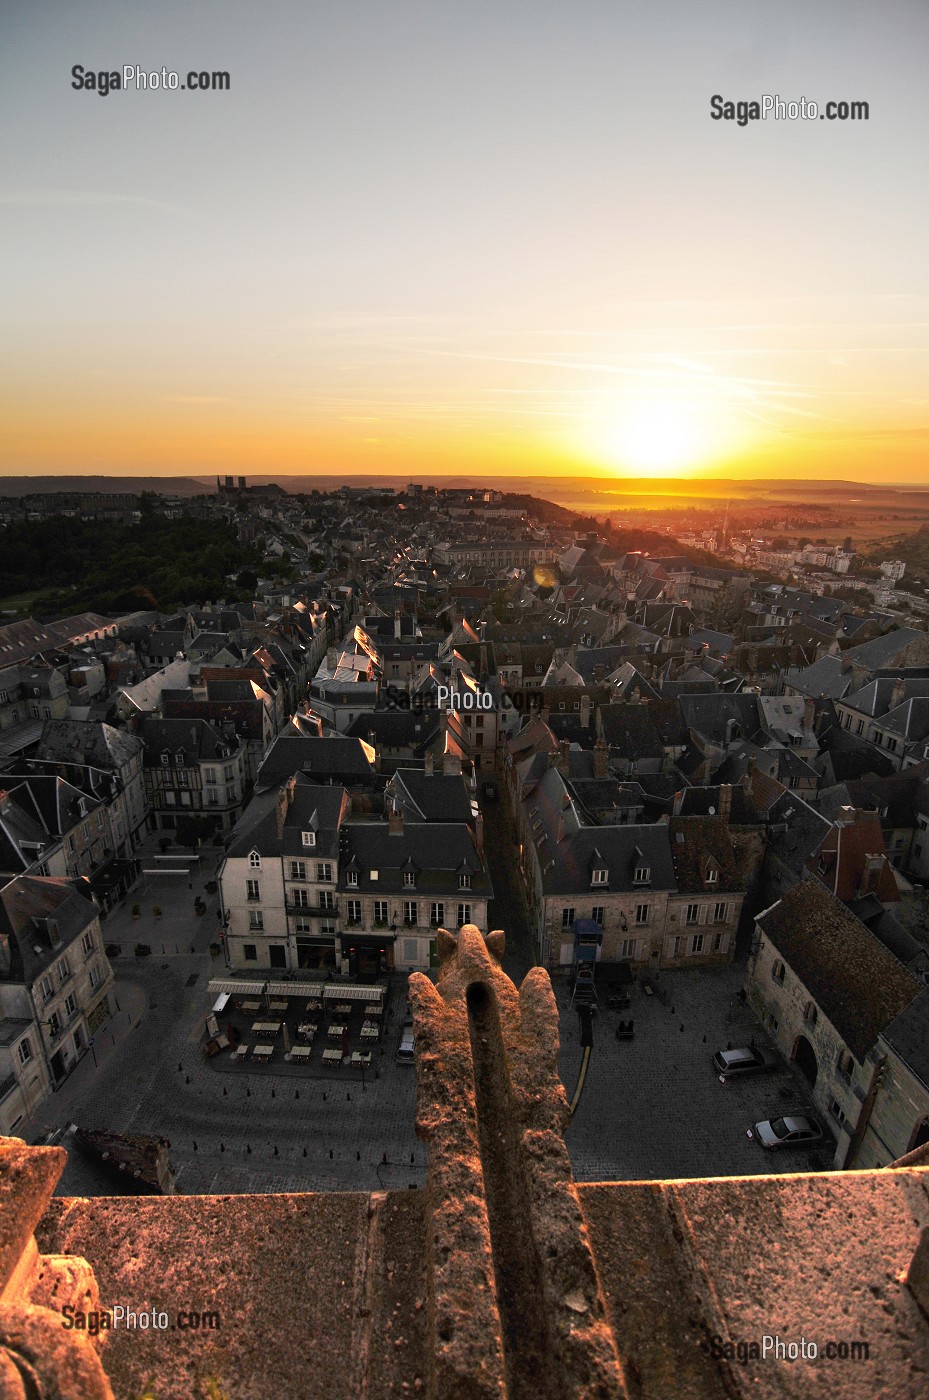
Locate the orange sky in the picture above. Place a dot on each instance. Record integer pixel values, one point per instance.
(440, 238)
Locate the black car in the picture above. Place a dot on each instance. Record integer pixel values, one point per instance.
(745, 1060)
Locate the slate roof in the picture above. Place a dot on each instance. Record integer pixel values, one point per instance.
(332, 758)
(31, 948)
(431, 797)
(906, 1036)
(859, 986)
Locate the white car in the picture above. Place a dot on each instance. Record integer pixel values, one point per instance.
(405, 1054)
(797, 1130)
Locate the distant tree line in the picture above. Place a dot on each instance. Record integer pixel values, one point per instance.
(104, 566)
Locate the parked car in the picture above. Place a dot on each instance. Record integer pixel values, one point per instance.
(745, 1060)
(797, 1130)
(405, 1054)
(490, 791)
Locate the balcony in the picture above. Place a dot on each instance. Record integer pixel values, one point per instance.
(319, 911)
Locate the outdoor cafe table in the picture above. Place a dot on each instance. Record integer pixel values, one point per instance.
(314, 1006)
(332, 1056)
(375, 1010)
(308, 1028)
(369, 1031)
(251, 1005)
(359, 1058)
(300, 1052)
(277, 1006)
(263, 1051)
(343, 1008)
(266, 1027)
(335, 1032)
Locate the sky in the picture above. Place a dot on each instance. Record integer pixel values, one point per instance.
(482, 236)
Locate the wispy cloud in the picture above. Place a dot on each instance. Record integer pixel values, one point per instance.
(53, 199)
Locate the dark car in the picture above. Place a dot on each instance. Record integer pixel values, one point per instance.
(745, 1060)
(796, 1130)
(490, 792)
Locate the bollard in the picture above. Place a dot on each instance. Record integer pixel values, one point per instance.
(304, 1151)
(412, 1158)
(275, 1152)
(180, 1069)
(186, 1078)
(248, 1149)
(296, 1093)
(348, 1098)
(330, 1154)
(384, 1160)
(248, 1093)
(357, 1156)
(225, 1092)
(273, 1095)
(195, 1147)
(222, 1147)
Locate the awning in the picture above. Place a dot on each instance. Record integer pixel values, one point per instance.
(234, 988)
(220, 1003)
(334, 992)
(294, 989)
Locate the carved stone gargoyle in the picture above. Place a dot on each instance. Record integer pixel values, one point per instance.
(516, 1307)
(40, 1359)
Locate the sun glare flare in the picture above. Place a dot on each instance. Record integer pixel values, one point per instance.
(658, 438)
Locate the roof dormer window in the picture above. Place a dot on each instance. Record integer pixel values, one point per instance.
(254, 860)
(642, 875)
(599, 876)
(308, 838)
(464, 880)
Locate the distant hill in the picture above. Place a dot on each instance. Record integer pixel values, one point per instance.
(135, 485)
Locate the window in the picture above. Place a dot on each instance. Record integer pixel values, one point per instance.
(696, 943)
(597, 913)
(720, 913)
(278, 955)
(165, 759)
(24, 1050)
(298, 869)
(380, 911)
(210, 775)
(846, 1065)
(303, 925)
(677, 946)
(324, 870)
(777, 972)
(47, 988)
(254, 860)
(64, 971)
(464, 914)
(54, 1024)
(4, 697)
(252, 890)
(372, 874)
(326, 899)
(410, 911)
(835, 1111)
(599, 876)
(712, 875)
(94, 978)
(87, 944)
(409, 879)
(256, 920)
(641, 913)
(693, 914)
(627, 949)
(300, 899)
(308, 838)
(351, 879)
(567, 917)
(437, 914)
(464, 880)
(718, 942)
(641, 875)
(250, 952)
(811, 1013)
(354, 911)
(70, 1005)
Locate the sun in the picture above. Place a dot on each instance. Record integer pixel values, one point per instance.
(657, 439)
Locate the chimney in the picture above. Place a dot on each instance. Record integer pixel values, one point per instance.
(809, 713)
(898, 694)
(285, 797)
(563, 760)
(601, 759)
(585, 710)
(725, 801)
(332, 658)
(394, 821)
(397, 623)
(846, 816)
(479, 833)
